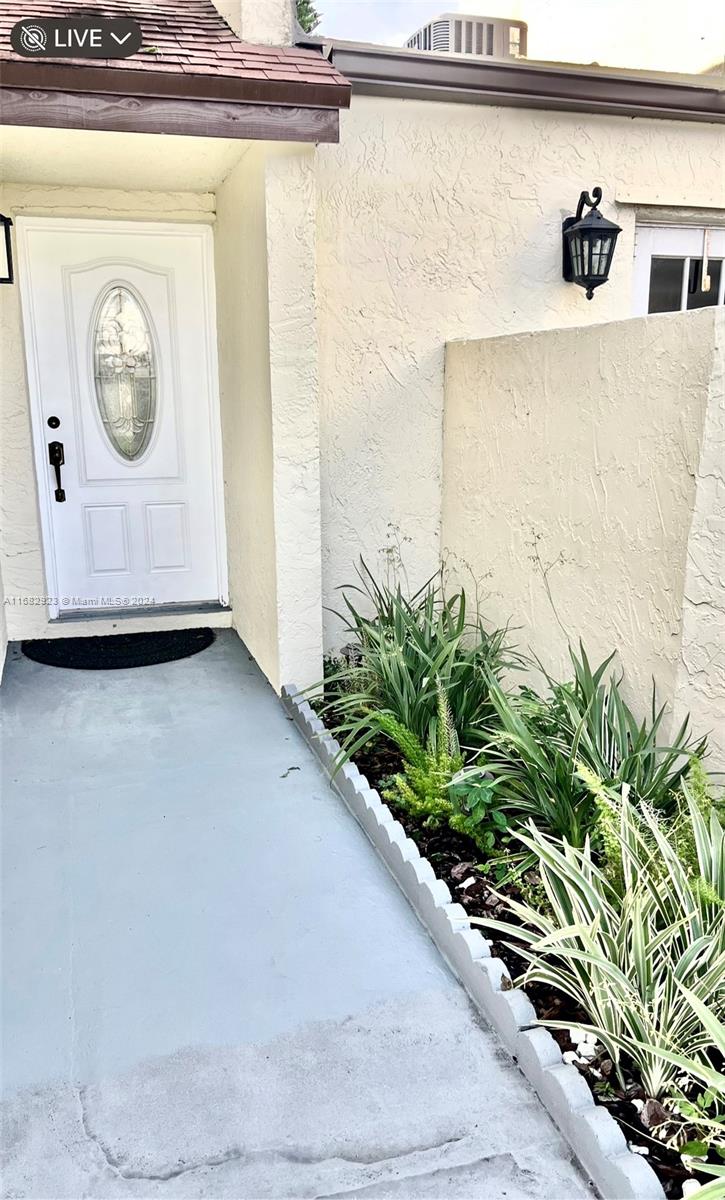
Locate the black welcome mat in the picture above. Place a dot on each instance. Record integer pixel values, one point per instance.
(118, 651)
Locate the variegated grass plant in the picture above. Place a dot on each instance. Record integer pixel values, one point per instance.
(624, 954)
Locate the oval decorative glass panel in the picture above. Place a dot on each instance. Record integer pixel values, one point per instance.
(125, 372)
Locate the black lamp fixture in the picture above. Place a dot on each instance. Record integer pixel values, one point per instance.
(6, 252)
(589, 244)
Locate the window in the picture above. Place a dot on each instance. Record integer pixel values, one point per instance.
(514, 41)
(457, 37)
(678, 268)
(489, 39)
(125, 372)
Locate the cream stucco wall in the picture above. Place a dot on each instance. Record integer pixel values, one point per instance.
(441, 221)
(574, 460)
(268, 353)
(294, 364)
(245, 390)
(700, 682)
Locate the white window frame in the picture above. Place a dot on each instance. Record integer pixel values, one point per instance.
(672, 241)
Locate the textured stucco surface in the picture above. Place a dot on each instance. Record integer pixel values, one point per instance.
(441, 221)
(244, 387)
(293, 365)
(700, 685)
(265, 256)
(572, 464)
(270, 24)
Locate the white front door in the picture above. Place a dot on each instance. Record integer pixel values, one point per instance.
(120, 335)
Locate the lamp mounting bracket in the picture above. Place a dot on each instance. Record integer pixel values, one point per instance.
(585, 198)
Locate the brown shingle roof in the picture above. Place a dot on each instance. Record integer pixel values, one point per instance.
(186, 38)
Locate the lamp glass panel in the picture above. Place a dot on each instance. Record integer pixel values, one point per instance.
(575, 248)
(600, 255)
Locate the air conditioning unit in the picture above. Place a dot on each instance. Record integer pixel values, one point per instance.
(481, 37)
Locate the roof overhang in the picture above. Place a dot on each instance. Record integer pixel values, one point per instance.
(60, 96)
(382, 71)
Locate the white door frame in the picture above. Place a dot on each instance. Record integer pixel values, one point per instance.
(207, 316)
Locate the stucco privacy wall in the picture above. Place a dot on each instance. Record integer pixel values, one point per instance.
(571, 474)
(21, 555)
(701, 669)
(441, 221)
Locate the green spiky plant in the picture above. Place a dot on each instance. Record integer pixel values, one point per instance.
(404, 651)
(547, 757)
(613, 743)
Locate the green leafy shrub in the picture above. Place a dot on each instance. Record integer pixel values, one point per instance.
(403, 652)
(623, 958)
(478, 813)
(551, 758)
(532, 774)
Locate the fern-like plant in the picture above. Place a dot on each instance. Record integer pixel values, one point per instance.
(422, 787)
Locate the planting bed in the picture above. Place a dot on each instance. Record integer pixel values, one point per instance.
(597, 1140)
(455, 861)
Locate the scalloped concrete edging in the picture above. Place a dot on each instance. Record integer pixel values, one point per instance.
(592, 1133)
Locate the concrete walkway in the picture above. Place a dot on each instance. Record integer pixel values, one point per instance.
(212, 986)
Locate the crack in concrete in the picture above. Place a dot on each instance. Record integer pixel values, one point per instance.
(121, 1172)
(236, 1154)
(438, 1169)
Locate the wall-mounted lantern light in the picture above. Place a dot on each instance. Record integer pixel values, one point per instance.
(589, 244)
(6, 251)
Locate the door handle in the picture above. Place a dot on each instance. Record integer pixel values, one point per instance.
(56, 458)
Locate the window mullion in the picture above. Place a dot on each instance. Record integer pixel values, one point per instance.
(685, 284)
